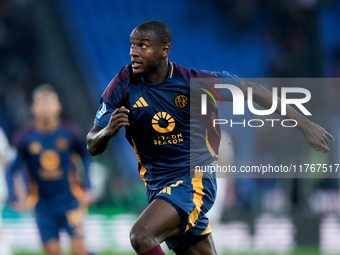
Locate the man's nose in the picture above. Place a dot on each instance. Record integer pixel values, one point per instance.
(134, 51)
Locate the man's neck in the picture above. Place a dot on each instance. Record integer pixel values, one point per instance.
(44, 125)
(160, 75)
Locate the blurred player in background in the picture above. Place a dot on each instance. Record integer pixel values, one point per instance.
(5, 157)
(47, 147)
(150, 98)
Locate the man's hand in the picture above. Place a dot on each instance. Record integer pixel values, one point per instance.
(98, 138)
(317, 137)
(119, 118)
(88, 198)
(18, 206)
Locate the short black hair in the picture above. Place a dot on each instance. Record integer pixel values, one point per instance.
(161, 30)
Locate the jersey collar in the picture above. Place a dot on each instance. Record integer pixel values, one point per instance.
(171, 70)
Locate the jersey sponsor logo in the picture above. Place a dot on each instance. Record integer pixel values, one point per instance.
(50, 165)
(50, 160)
(181, 101)
(162, 122)
(102, 111)
(140, 103)
(168, 139)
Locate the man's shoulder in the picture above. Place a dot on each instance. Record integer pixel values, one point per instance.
(22, 133)
(121, 80)
(191, 75)
(192, 72)
(124, 73)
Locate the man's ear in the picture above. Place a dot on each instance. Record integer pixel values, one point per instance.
(165, 50)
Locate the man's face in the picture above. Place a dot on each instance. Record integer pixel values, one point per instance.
(145, 51)
(46, 106)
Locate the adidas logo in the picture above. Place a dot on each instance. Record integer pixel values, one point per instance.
(140, 103)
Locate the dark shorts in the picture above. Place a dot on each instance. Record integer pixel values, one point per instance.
(50, 224)
(192, 197)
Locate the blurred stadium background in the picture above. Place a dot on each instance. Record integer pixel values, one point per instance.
(79, 45)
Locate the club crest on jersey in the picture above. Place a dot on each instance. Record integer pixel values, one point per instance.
(62, 144)
(181, 101)
(102, 111)
(35, 147)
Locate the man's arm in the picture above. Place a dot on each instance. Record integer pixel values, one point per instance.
(4, 149)
(13, 167)
(98, 138)
(316, 136)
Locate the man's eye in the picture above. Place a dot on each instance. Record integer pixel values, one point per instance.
(143, 46)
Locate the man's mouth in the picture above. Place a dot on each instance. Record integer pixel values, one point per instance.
(135, 64)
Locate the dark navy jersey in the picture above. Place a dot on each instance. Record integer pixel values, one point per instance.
(167, 139)
(48, 160)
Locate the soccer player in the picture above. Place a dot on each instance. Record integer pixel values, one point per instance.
(47, 146)
(150, 98)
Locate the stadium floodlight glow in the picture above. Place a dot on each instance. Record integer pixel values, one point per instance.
(238, 100)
